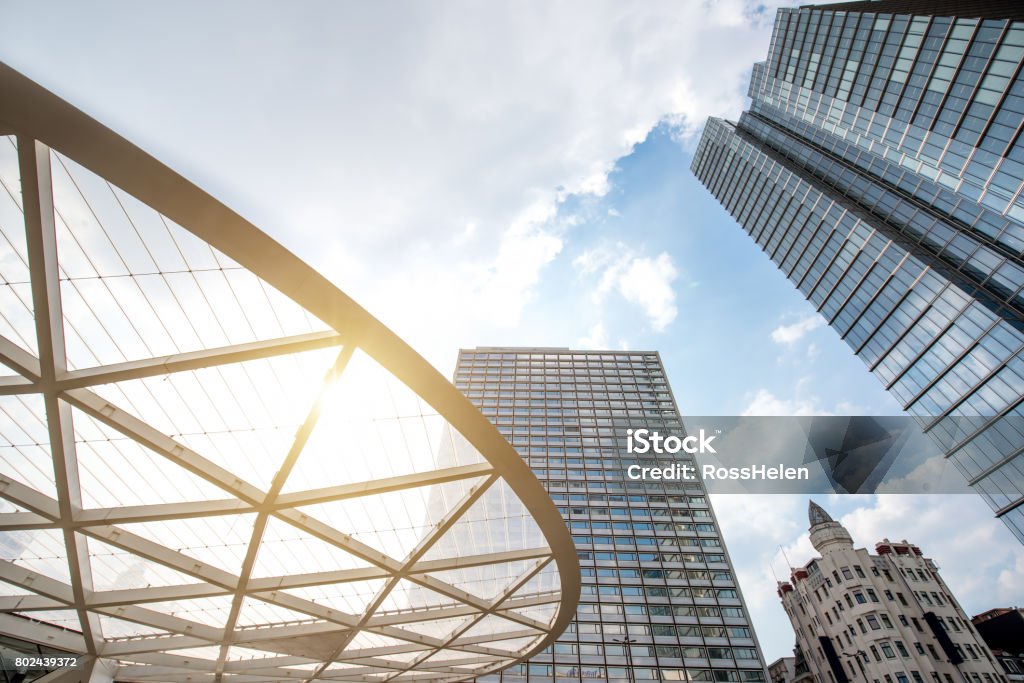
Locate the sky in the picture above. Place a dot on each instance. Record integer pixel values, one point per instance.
(506, 174)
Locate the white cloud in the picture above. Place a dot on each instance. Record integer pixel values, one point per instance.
(415, 157)
(790, 334)
(765, 402)
(641, 280)
(596, 338)
(647, 282)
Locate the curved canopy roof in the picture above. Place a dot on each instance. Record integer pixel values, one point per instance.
(216, 466)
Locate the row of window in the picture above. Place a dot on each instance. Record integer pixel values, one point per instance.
(522, 355)
(524, 402)
(657, 574)
(601, 513)
(600, 673)
(562, 384)
(637, 513)
(654, 499)
(636, 414)
(501, 394)
(664, 651)
(613, 629)
(687, 592)
(525, 397)
(608, 408)
(638, 610)
(689, 558)
(575, 381)
(640, 541)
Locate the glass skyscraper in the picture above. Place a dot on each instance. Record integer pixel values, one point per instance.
(880, 167)
(659, 595)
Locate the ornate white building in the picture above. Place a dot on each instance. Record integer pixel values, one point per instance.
(879, 618)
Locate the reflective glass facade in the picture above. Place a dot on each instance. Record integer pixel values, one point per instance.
(656, 575)
(880, 166)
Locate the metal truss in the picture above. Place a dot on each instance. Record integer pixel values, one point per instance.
(458, 634)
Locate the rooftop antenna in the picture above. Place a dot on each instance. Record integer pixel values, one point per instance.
(783, 551)
(771, 565)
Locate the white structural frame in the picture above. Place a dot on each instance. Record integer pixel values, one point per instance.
(43, 122)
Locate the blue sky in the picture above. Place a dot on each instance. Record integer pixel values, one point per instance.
(480, 174)
(727, 298)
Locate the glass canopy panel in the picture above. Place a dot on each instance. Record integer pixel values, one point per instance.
(403, 659)
(209, 611)
(261, 613)
(365, 640)
(493, 625)
(282, 543)
(219, 541)
(376, 427)
(135, 285)
(122, 629)
(544, 582)
(114, 568)
(446, 656)
(485, 581)
(497, 522)
(237, 654)
(514, 645)
(210, 653)
(394, 522)
(241, 416)
(16, 320)
(64, 618)
(11, 590)
(25, 442)
(343, 666)
(115, 470)
(350, 597)
(438, 628)
(542, 613)
(38, 550)
(407, 596)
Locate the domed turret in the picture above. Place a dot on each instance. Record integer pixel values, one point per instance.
(827, 534)
(817, 515)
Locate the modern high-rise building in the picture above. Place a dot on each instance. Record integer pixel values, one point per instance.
(880, 166)
(887, 616)
(659, 597)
